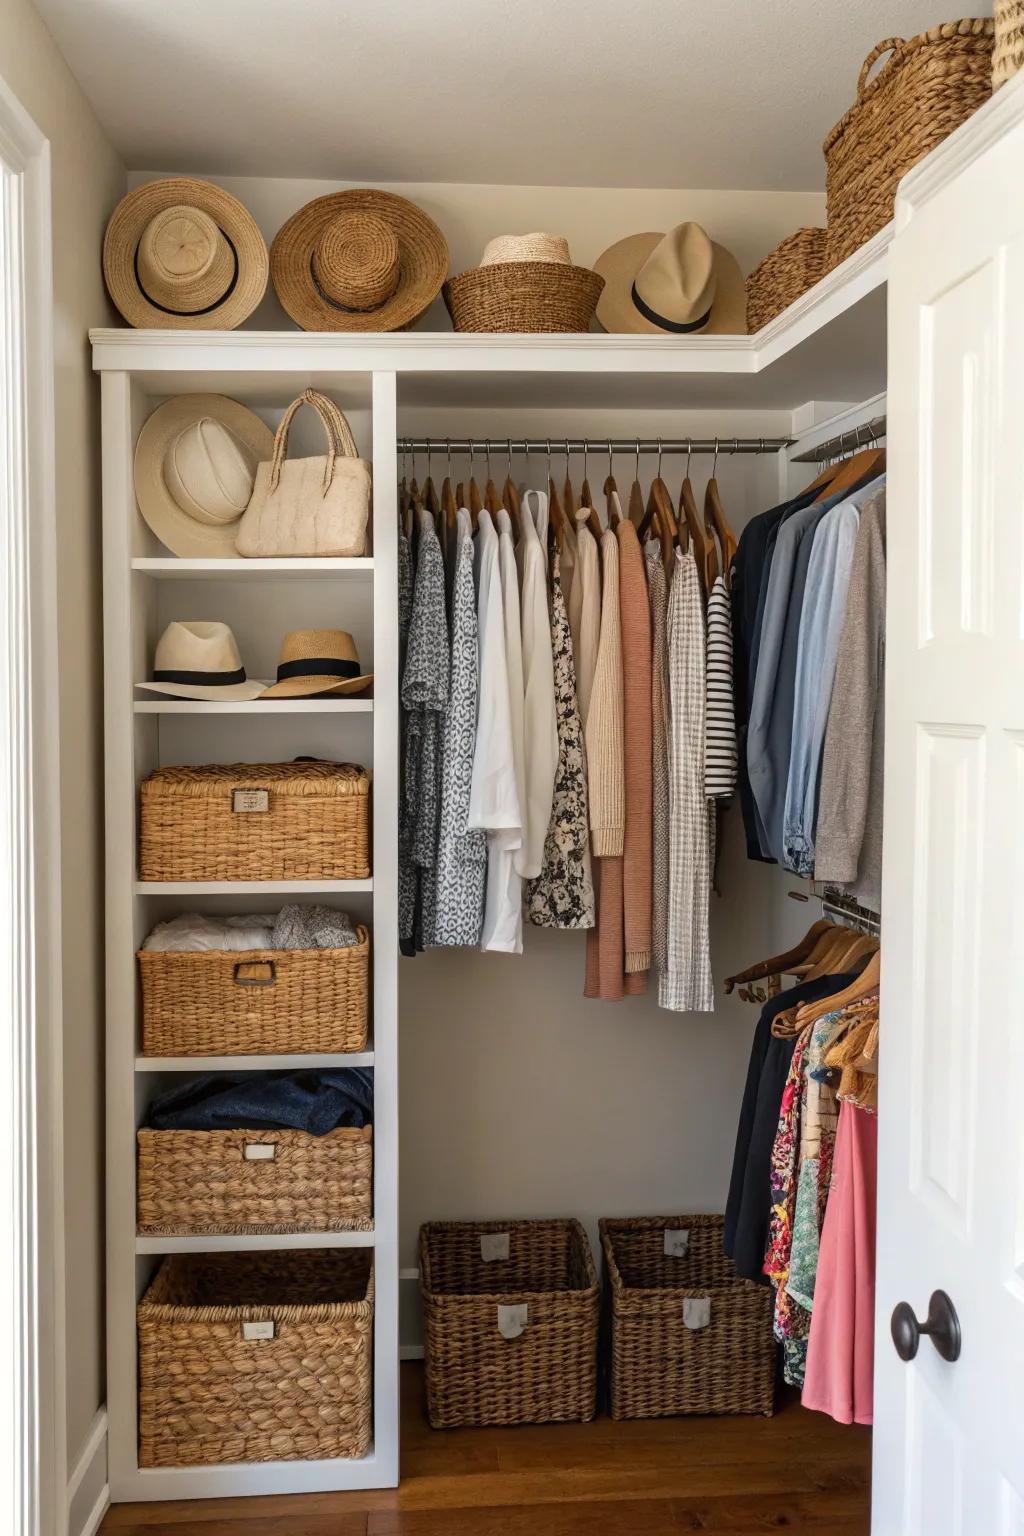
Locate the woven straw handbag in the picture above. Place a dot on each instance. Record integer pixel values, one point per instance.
(308, 507)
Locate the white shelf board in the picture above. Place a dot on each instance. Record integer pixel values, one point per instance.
(169, 568)
(249, 887)
(252, 1063)
(234, 1242)
(151, 706)
(234, 1479)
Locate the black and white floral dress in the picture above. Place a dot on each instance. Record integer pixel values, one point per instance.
(424, 698)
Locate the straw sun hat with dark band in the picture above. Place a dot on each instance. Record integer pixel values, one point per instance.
(184, 254)
(360, 260)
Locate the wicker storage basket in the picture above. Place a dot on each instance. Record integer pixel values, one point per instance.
(661, 1364)
(256, 821)
(256, 1357)
(785, 273)
(478, 1371)
(255, 1181)
(925, 90)
(523, 296)
(258, 1002)
(1008, 55)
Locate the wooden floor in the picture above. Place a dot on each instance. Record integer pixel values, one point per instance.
(797, 1472)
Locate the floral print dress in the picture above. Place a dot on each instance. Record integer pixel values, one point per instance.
(792, 1325)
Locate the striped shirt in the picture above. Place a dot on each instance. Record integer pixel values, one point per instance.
(720, 729)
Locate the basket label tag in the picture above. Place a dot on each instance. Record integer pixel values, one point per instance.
(260, 1151)
(261, 1330)
(512, 1320)
(493, 1245)
(697, 1311)
(250, 800)
(677, 1242)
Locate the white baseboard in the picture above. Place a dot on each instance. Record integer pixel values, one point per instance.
(88, 1493)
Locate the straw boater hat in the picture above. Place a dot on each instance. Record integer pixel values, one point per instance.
(318, 661)
(360, 260)
(184, 254)
(195, 463)
(524, 283)
(200, 660)
(677, 284)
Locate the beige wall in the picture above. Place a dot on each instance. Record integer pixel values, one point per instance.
(87, 180)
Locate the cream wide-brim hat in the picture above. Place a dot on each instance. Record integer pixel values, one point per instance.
(301, 650)
(186, 255)
(196, 648)
(622, 263)
(183, 534)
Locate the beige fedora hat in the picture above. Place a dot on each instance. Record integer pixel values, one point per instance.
(318, 661)
(680, 284)
(184, 254)
(199, 659)
(360, 260)
(195, 463)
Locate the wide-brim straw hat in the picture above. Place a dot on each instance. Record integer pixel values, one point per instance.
(200, 659)
(360, 260)
(315, 661)
(524, 284)
(186, 255)
(681, 283)
(195, 462)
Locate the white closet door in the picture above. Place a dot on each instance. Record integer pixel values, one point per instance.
(949, 1437)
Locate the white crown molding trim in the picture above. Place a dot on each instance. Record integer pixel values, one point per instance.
(964, 145)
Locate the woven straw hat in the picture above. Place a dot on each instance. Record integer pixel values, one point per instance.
(318, 661)
(525, 283)
(679, 284)
(200, 660)
(195, 463)
(184, 254)
(360, 260)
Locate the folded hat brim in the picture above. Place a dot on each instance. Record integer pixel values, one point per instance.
(182, 534)
(621, 262)
(308, 687)
(226, 693)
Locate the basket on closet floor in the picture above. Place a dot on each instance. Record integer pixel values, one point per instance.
(257, 1002)
(785, 273)
(256, 821)
(925, 89)
(256, 1357)
(255, 1181)
(510, 1311)
(687, 1336)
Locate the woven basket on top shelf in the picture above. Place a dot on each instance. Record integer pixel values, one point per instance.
(256, 821)
(1008, 55)
(785, 273)
(925, 89)
(664, 1360)
(259, 1002)
(475, 1373)
(523, 296)
(255, 1181)
(213, 1388)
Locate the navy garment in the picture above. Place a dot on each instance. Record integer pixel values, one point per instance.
(748, 1209)
(315, 1101)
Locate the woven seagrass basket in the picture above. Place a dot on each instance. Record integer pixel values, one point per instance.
(256, 821)
(477, 1371)
(255, 1181)
(260, 1002)
(785, 273)
(663, 1358)
(1008, 55)
(928, 87)
(256, 1357)
(523, 296)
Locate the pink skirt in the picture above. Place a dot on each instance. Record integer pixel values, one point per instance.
(840, 1352)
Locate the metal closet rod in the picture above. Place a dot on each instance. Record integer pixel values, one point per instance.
(619, 445)
(845, 442)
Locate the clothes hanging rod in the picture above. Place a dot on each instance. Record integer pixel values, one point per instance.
(843, 444)
(846, 910)
(578, 445)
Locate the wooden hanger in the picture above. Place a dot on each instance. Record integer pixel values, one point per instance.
(715, 521)
(703, 546)
(556, 517)
(429, 496)
(659, 504)
(510, 495)
(569, 502)
(782, 964)
(848, 473)
(636, 495)
(492, 501)
(449, 502)
(586, 505)
(866, 984)
(404, 501)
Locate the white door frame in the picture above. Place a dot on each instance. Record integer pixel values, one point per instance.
(32, 1407)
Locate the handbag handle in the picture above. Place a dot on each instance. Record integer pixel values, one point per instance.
(890, 45)
(339, 435)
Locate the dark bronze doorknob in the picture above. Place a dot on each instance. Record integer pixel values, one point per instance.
(942, 1326)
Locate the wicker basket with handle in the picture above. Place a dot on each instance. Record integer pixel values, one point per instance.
(255, 1181)
(925, 89)
(785, 273)
(687, 1336)
(256, 1002)
(510, 1313)
(256, 821)
(1008, 55)
(256, 1357)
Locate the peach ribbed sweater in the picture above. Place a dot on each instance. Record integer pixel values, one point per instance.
(605, 780)
(635, 619)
